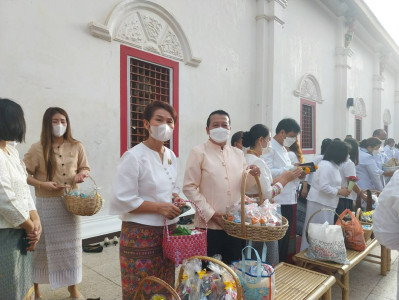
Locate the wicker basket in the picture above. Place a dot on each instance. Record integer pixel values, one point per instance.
(139, 290)
(367, 232)
(251, 232)
(218, 262)
(84, 206)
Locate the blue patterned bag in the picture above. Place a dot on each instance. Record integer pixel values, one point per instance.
(256, 277)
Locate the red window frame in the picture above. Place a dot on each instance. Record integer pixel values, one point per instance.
(125, 53)
(313, 105)
(358, 134)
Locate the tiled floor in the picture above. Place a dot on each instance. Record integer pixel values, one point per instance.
(101, 278)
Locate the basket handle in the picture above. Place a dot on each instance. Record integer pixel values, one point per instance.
(359, 213)
(243, 187)
(220, 263)
(258, 262)
(156, 280)
(166, 229)
(316, 212)
(68, 188)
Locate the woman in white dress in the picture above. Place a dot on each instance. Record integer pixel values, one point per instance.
(386, 217)
(326, 187)
(257, 139)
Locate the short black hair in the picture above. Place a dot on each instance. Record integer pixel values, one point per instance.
(250, 137)
(288, 125)
(324, 145)
(337, 152)
(236, 137)
(12, 121)
(370, 142)
(217, 112)
(378, 132)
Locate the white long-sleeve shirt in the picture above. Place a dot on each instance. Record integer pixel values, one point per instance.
(346, 170)
(390, 153)
(278, 161)
(325, 185)
(265, 177)
(368, 173)
(15, 198)
(316, 160)
(141, 176)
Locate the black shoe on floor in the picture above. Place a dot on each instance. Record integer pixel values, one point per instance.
(93, 248)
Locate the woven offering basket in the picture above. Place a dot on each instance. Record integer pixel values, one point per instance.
(84, 206)
(252, 232)
(367, 232)
(139, 291)
(220, 263)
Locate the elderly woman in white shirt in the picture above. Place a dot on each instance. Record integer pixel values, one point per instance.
(367, 170)
(144, 192)
(386, 217)
(256, 139)
(326, 188)
(20, 226)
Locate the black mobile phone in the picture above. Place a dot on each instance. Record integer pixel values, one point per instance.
(310, 165)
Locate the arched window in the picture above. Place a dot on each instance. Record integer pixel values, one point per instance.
(359, 110)
(309, 93)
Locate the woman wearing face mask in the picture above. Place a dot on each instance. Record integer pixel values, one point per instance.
(389, 148)
(367, 171)
(257, 139)
(53, 163)
(326, 187)
(143, 193)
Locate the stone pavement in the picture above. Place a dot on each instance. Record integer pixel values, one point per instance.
(101, 278)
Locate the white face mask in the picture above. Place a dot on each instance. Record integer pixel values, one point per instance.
(162, 132)
(376, 152)
(12, 143)
(59, 130)
(288, 141)
(219, 135)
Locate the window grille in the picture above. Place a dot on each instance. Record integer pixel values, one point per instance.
(148, 82)
(307, 127)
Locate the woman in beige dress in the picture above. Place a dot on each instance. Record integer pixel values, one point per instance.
(53, 163)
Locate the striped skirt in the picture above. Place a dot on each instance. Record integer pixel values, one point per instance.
(141, 256)
(16, 272)
(58, 256)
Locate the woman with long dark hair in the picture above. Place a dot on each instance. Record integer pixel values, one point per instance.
(326, 187)
(20, 226)
(54, 163)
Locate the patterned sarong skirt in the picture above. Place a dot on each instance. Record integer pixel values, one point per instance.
(16, 271)
(141, 255)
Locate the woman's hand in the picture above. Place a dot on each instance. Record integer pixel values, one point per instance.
(51, 186)
(179, 202)
(217, 218)
(80, 177)
(344, 192)
(254, 170)
(168, 210)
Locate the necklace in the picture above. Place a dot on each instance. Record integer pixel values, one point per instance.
(250, 151)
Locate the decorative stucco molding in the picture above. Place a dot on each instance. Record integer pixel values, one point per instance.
(309, 89)
(378, 82)
(386, 117)
(359, 108)
(147, 26)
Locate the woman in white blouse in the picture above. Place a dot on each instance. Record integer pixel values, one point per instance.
(144, 192)
(386, 217)
(367, 171)
(389, 148)
(326, 187)
(257, 139)
(20, 227)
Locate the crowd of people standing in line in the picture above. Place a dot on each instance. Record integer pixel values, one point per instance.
(146, 195)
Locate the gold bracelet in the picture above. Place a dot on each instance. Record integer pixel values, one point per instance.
(39, 186)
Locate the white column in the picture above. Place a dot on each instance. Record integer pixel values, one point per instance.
(395, 129)
(378, 88)
(343, 66)
(269, 30)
